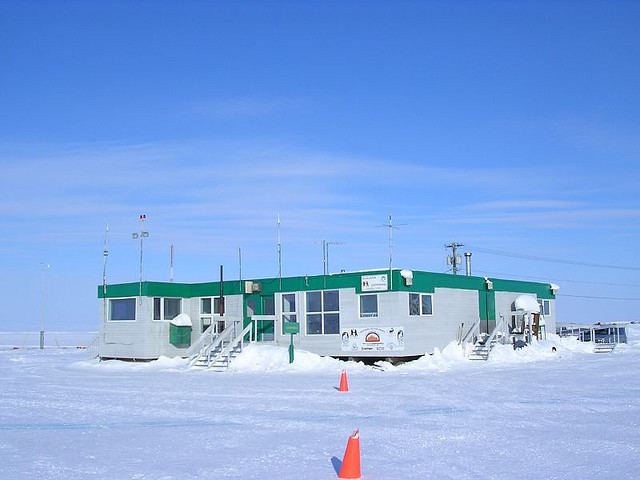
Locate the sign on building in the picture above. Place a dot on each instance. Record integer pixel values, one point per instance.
(374, 339)
(374, 283)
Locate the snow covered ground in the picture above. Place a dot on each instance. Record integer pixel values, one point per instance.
(529, 414)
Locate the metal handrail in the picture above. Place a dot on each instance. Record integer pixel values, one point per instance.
(208, 348)
(498, 328)
(475, 326)
(201, 342)
(239, 339)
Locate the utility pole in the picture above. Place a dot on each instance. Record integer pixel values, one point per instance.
(454, 260)
(142, 234)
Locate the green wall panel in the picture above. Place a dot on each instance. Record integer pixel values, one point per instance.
(424, 282)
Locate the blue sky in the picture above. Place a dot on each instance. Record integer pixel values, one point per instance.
(507, 126)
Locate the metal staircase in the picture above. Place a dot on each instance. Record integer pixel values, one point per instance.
(485, 343)
(219, 352)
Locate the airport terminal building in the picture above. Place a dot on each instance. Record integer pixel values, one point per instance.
(377, 313)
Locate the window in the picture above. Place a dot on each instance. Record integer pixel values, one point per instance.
(368, 306)
(172, 308)
(420, 304)
(122, 309)
(205, 306)
(268, 305)
(209, 306)
(288, 309)
(157, 313)
(166, 308)
(545, 307)
(323, 312)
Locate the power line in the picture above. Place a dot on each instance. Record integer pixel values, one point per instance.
(553, 260)
(598, 298)
(586, 282)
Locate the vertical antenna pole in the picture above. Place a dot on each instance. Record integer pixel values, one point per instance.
(105, 255)
(141, 235)
(171, 263)
(390, 253)
(279, 255)
(240, 263)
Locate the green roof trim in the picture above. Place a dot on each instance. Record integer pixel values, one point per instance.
(425, 282)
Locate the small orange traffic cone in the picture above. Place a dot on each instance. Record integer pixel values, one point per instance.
(351, 461)
(344, 384)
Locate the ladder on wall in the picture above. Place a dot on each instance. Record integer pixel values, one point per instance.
(218, 353)
(483, 346)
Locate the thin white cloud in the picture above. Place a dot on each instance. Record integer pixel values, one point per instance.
(509, 204)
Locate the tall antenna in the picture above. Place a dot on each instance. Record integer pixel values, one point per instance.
(325, 258)
(279, 254)
(240, 263)
(105, 255)
(141, 235)
(171, 263)
(391, 227)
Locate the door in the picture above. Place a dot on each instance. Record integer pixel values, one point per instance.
(259, 310)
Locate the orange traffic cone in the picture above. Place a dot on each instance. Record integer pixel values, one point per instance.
(344, 384)
(351, 461)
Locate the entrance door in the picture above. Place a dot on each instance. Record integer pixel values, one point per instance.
(258, 309)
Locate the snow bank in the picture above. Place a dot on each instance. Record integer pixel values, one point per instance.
(161, 364)
(270, 358)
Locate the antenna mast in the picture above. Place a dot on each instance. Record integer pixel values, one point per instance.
(105, 255)
(141, 235)
(391, 227)
(279, 255)
(171, 263)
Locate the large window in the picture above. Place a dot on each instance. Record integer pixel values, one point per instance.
(289, 309)
(122, 309)
(323, 313)
(368, 306)
(166, 308)
(420, 304)
(545, 307)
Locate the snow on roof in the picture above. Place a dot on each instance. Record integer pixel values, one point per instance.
(182, 320)
(527, 303)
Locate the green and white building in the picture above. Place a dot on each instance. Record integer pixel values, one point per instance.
(379, 313)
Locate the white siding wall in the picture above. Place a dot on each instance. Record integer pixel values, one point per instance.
(149, 339)
(422, 333)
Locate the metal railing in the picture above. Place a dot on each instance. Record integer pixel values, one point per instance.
(474, 330)
(216, 341)
(224, 354)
